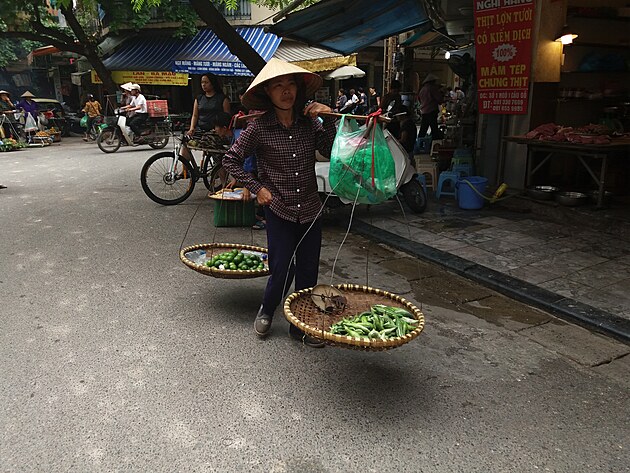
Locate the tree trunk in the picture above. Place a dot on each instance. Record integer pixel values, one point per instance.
(226, 33)
(103, 73)
(90, 50)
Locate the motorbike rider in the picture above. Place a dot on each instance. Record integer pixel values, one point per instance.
(138, 109)
(93, 110)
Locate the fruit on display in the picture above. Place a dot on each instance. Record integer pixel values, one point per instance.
(236, 260)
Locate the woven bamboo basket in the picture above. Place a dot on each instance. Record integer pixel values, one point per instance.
(301, 311)
(212, 249)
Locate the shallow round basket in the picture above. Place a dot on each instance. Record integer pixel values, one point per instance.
(195, 256)
(301, 311)
(571, 199)
(542, 192)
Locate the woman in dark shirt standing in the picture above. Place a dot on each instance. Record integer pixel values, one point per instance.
(284, 140)
(208, 104)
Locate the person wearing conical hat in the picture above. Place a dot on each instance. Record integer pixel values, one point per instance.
(126, 94)
(284, 140)
(430, 98)
(28, 105)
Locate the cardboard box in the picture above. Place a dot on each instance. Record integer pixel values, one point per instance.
(157, 108)
(234, 213)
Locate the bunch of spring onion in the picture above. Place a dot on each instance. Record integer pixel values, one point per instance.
(381, 322)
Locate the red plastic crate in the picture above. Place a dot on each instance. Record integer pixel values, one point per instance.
(157, 108)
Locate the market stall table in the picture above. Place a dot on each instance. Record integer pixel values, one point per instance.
(580, 151)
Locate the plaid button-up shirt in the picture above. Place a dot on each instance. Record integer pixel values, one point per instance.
(285, 158)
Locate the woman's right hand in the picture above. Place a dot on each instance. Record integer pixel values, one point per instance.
(190, 132)
(264, 197)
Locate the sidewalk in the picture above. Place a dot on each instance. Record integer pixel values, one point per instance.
(572, 262)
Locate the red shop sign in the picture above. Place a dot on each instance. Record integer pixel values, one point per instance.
(503, 43)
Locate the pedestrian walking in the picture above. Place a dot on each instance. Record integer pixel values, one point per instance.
(430, 100)
(284, 141)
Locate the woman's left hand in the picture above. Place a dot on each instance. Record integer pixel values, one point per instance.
(315, 108)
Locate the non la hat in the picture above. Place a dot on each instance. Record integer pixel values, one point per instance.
(430, 78)
(126, 86)
(27, 94)
(134, 87)
(5, 92)
(255, 97)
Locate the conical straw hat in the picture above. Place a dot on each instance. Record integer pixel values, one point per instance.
(126, 86)
(27, 94)
(255, 97)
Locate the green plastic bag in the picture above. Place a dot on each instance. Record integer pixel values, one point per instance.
(361, 164)
(84, 121)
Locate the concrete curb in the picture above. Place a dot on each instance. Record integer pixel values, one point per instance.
(565, 308)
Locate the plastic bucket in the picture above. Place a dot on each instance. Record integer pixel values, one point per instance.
(467, 198)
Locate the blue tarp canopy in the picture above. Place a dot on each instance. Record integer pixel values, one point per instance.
(202, 53)
(207, 53)
(146, 54)
(347, 26)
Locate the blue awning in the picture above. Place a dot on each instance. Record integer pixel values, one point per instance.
(207, 53)
(347, 26)
(146, 54)
(202, 53)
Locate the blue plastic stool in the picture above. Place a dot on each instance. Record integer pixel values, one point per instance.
(421, 178)
(447, 177)
(463, 169)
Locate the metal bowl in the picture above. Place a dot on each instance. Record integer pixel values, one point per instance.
(571, 199)
(542, 192)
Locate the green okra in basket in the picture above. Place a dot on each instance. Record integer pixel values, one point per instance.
(381, 322)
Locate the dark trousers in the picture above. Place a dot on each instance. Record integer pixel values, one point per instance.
(430, 120)
(282, 238)
(136, 122)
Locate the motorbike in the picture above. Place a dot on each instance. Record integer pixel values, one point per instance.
(409, 187)
(155, 133)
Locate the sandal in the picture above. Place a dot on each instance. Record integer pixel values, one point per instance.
(259, 225)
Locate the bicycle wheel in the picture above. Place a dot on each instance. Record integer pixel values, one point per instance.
(218, 178)
(160, 142)
(163, 187)
(209, 163)
(109, 140)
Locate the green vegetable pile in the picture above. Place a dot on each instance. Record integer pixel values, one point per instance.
(381, 322)
(236, 260)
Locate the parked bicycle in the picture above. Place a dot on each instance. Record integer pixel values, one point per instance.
(169, 178)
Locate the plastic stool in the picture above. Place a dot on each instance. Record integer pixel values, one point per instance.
(431, 170)
(461, 160)
(434, 144)
(446, 177)
(463, 169)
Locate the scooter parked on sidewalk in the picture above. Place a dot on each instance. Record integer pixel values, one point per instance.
(155, 133)
(409, 187)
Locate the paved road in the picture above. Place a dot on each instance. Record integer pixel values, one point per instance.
(116, 357)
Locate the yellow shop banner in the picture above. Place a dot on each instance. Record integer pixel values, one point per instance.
(145, 77)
